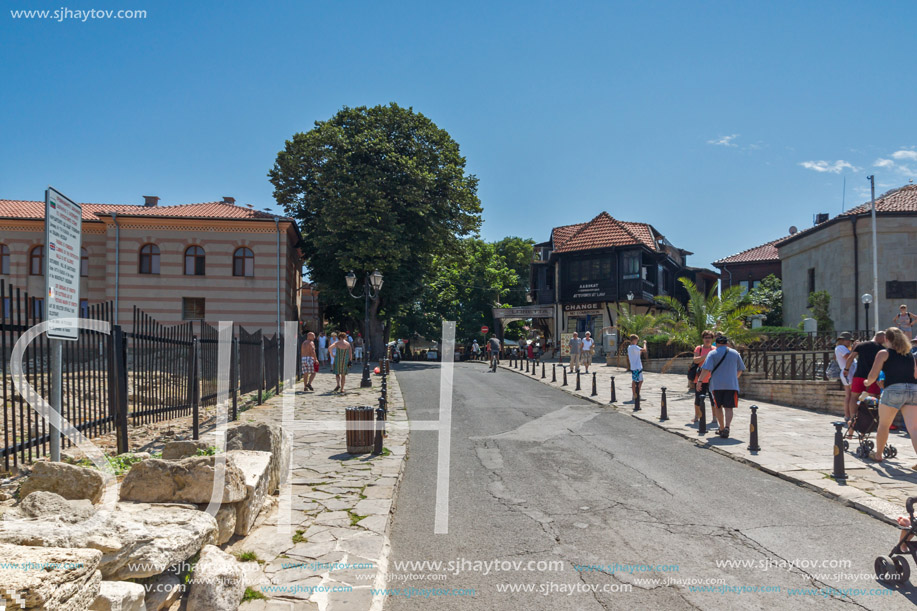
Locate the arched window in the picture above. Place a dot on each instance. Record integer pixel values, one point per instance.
(194, 261)
(84, 262)
(243, 262)
(37, 261)
(4, 259)
(149, 259)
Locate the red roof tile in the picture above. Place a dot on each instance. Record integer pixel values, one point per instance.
(601, 232)
(898, 200)
(91, 212)
(765, 252)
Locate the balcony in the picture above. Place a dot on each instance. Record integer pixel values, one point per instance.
(643, 290)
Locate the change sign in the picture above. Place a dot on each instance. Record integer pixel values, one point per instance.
(63, 226)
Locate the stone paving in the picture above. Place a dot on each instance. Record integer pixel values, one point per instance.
(796, 444)
(340, 506)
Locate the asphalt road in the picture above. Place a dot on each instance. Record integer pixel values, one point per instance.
(538, 477)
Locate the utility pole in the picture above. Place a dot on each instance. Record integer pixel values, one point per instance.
(875, 252)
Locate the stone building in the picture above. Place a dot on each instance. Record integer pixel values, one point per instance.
(212, 261)
(836, 256)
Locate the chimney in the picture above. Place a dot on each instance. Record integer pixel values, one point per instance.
(150, 201)
(229, 200)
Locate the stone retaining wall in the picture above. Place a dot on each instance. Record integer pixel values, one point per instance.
(818, 395)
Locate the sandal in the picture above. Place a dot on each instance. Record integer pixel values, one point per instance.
(875, 457)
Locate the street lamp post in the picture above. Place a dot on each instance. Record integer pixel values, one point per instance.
(866, 299)
(372, 284)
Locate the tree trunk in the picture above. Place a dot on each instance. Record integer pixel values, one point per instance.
(375, 334)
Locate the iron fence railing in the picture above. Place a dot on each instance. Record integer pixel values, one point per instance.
(153, 373)
(782, 365)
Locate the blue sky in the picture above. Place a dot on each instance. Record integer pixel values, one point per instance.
(721, 123)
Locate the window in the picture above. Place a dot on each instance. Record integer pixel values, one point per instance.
(811, 279)
(898, 289)
(6, 309)
(4, 259)
(744, 285)
(194, 261)
(37, 261)
(630, 265)
(38, 308)
(84, 308)
(149, 259)
(84, 262)
(192, 308)
(243, 262)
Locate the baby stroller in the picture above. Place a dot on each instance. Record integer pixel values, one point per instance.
(864, 424)
(894, 569)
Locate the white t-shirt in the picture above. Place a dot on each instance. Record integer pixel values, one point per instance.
(840, 355)
(633, 354)
(587, 344)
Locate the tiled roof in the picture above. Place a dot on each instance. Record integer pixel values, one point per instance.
(765, 252)
(897, 201)
(602, 232)
(209, 210)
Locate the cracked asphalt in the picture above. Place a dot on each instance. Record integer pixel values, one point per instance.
(537, 475)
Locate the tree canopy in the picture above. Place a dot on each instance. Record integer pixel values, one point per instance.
(376, 188)
(769, 295)
(726, 314)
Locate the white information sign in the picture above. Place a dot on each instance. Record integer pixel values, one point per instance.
(63, 227)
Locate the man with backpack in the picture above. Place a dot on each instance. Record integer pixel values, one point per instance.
(722, 369)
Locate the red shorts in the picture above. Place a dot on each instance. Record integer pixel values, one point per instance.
(859, 385)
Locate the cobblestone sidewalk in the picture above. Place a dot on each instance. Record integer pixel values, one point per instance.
(338, 548)
(796, 444)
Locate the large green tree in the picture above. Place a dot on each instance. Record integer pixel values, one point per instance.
(769, 295)
(376, 188)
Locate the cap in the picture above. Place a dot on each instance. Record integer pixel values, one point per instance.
(845, 335)
(722, 339)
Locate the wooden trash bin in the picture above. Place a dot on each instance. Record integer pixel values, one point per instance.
(360, 429)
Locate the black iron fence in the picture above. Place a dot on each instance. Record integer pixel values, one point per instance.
(782, 365)
(153, 373)
(790, 341)
(85, 394)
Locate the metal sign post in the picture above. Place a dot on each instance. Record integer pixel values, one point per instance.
(63, 227)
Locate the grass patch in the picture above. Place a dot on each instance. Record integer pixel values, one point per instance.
(211, 451)
(299, 538)
(247, 557)
(252, 594)
(354, 517)
(386, 451)
(119, 464)
(362, 491)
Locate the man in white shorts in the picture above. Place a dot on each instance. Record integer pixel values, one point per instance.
(586, 356)
(841, 350)
(634, 352)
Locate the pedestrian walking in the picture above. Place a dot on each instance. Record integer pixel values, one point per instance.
(475, 350)
(864, 354)
(700, 356)
(722, 370)
(576, 347)
(341, 354)
(530, 350)
(588, 349)
(323, 347)
(900, 368)
(358, 347)
(493, 348)
(845, 374)
(905, 321)
(634, 352)
(309, 361)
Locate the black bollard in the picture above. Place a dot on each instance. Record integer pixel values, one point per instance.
(663, 410)
(534, 368)
(526, 365)
(839, 474)
(702, 423)
(595, 390)
(577, 381)
(565, 377)
(542, 370)
(753, 431)
(637, 402)
(553, 372)
(380, 429)
(613, 397)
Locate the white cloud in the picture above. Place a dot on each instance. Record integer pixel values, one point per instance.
(895, 162)
(903, 154)
(724, 141)
(884, 163)
(826, 166)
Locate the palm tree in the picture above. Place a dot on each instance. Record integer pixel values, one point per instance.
(725, 314)
(632, 323)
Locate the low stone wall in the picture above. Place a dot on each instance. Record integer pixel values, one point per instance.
(671, 365)
(816, 395)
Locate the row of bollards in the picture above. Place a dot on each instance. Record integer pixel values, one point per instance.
(382, 410)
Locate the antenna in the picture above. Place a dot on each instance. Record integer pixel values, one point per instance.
(844, 196)
(793, 229)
